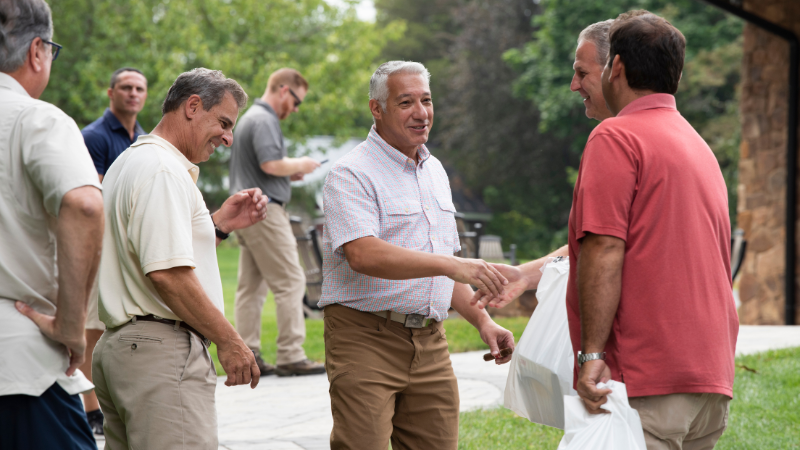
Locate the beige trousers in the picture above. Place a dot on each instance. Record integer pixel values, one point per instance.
(268, 259)
(682, 421)
(156, 388)
(389, 383)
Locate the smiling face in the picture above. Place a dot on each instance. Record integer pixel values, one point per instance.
(409, 112)
(586, 81)
(212, 128)
(128, 94)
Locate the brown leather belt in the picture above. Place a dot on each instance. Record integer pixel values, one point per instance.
(178, 323)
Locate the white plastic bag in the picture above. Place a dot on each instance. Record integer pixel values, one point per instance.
(541, 367)
(619, 430)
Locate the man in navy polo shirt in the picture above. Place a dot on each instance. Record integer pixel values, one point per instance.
(110, 135)
(106, 138)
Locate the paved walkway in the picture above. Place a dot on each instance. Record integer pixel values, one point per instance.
(294, 413)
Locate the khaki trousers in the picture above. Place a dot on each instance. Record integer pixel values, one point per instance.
(156, 388)
(682, 421)
(389, 382)
(268, 259)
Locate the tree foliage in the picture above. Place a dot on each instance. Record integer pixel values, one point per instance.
(506, 118)
(246, 39)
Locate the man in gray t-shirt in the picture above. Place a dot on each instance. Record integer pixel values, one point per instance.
(268, 258)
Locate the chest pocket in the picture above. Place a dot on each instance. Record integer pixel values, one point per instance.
(401, 218)
(446, 204)
(397, 208)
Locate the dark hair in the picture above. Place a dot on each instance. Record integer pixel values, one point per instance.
(209, 85)
(651, 49)
(115, 75)
(22, 21)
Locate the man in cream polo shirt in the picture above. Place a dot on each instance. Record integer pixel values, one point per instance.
(50, 202)
(160, 290)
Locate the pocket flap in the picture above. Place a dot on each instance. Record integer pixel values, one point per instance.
(402, 207)
(446, 204)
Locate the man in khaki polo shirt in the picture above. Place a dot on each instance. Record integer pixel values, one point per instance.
(160, 290)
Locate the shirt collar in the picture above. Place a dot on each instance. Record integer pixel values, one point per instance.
(395, 154)
(652, 101)
(115, 124)
(8, 82)
(193, 170)
(265, 105)
(112, 120)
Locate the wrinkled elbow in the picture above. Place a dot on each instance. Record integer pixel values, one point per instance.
(87, 202)
(356, 260)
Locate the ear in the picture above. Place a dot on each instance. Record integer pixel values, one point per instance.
(36, 55)
(617, 69)
(193, 106)
(110, 90)
(375, 109)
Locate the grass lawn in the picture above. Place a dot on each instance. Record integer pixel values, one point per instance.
(765, 412)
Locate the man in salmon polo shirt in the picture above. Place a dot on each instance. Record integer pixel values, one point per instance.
(649, 297)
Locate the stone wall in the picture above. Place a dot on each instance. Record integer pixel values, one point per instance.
(762, 168)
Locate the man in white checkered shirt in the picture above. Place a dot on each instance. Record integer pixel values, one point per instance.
(389, 277)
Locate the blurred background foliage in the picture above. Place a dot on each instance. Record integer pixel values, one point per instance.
(246, 39)
(506, 121)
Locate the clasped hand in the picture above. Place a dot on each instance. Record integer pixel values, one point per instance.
(241, 210)
(515, 285)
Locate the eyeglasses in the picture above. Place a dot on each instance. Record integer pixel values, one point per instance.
(297, 100)
(56, 48)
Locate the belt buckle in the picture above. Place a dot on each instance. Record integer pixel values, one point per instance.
(414, 321)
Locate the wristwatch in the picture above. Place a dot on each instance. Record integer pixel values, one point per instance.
(583, 357)
(220, 234)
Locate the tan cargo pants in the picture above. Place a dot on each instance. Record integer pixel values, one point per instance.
(268, 259)
(389, 382)
(682, 421)
(156, 388)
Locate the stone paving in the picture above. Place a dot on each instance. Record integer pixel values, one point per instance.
(294, 413)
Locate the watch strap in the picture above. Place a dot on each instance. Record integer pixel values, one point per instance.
(220, 234)
(585, 357)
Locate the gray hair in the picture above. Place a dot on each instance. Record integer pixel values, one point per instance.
(209, 85)
(22, 21)
(597, 34)
(378, 89)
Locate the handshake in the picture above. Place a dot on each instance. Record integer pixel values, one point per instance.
(498, 284)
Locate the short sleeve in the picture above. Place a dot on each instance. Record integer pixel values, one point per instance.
(267, 141)
(605, 189)
(351, 209)
(55, 156)
(160, 225)
(98, 150)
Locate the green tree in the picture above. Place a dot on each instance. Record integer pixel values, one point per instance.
(707, 95)
(245, 39)
(506, 119)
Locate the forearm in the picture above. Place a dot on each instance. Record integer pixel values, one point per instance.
(282, 167)
(462, 295)
(181, 290)
(532, 271)
(378, 258)
(599, 286)
(79, 237)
